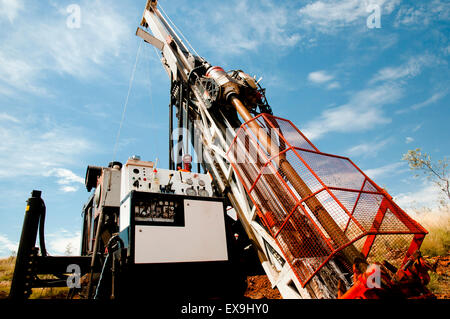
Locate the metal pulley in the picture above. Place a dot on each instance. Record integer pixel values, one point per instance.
(226, 83)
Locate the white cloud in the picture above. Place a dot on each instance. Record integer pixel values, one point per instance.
(417, 127)
(8, 118)
(18, 74)
(446, 50)
(332, 15)
(319, 77)
(52, 47)
(29, 148)
(408, 16)
(364, 109)
(422, 13)
(323, 77)
(426, 195)
(407, 70)
(333, 85)
(7, 247)
(368, 149)
(58, 242)
(431, 100)
(69, 189)
(434, 98)
(379, 172)
(100, 37)
(361, 113)
(409, 140)
(68, 180)
(10, 8)
(239, 26)
(66, 176)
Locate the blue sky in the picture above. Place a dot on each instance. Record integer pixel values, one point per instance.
(367, 93)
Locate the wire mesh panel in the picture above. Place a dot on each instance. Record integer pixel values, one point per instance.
(316, 205)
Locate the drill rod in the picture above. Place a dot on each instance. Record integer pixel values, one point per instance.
(327, 222)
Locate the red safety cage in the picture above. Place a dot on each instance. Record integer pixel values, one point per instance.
(363, 211)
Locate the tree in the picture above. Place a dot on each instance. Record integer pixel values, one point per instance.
(434, 172)
(69, 250)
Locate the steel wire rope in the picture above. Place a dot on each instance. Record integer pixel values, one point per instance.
(179, 31)
(130, 85)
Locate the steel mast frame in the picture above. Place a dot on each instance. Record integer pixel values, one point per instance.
(179, 62)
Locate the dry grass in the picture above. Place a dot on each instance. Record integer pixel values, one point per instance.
(6, 274)
(436, 243)
(437, 223)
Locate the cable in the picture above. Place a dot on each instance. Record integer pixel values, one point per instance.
(130, 85)
(178, 30)
(111, 248)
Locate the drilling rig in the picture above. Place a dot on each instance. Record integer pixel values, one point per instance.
(317, 226)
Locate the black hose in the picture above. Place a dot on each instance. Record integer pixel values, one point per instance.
(42, 231)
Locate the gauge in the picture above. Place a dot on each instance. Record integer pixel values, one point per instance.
(189, 181)
(201, 182)
(203, 193)
(191, 191)
(136, 171)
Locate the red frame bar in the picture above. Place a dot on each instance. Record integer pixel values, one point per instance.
(375, 227)
(415, 245)
(270, 122)
(355, 205)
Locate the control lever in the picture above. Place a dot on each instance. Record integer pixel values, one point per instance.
(168, 188)
(169, 185)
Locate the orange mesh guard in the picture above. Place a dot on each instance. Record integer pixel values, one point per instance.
(364, 212)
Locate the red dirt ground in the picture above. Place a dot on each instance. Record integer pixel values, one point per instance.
(259, 287)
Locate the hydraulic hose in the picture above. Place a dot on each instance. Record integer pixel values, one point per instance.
(42, 231)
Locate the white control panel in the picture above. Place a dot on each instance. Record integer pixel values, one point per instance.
(144, 177)
(201, 239)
